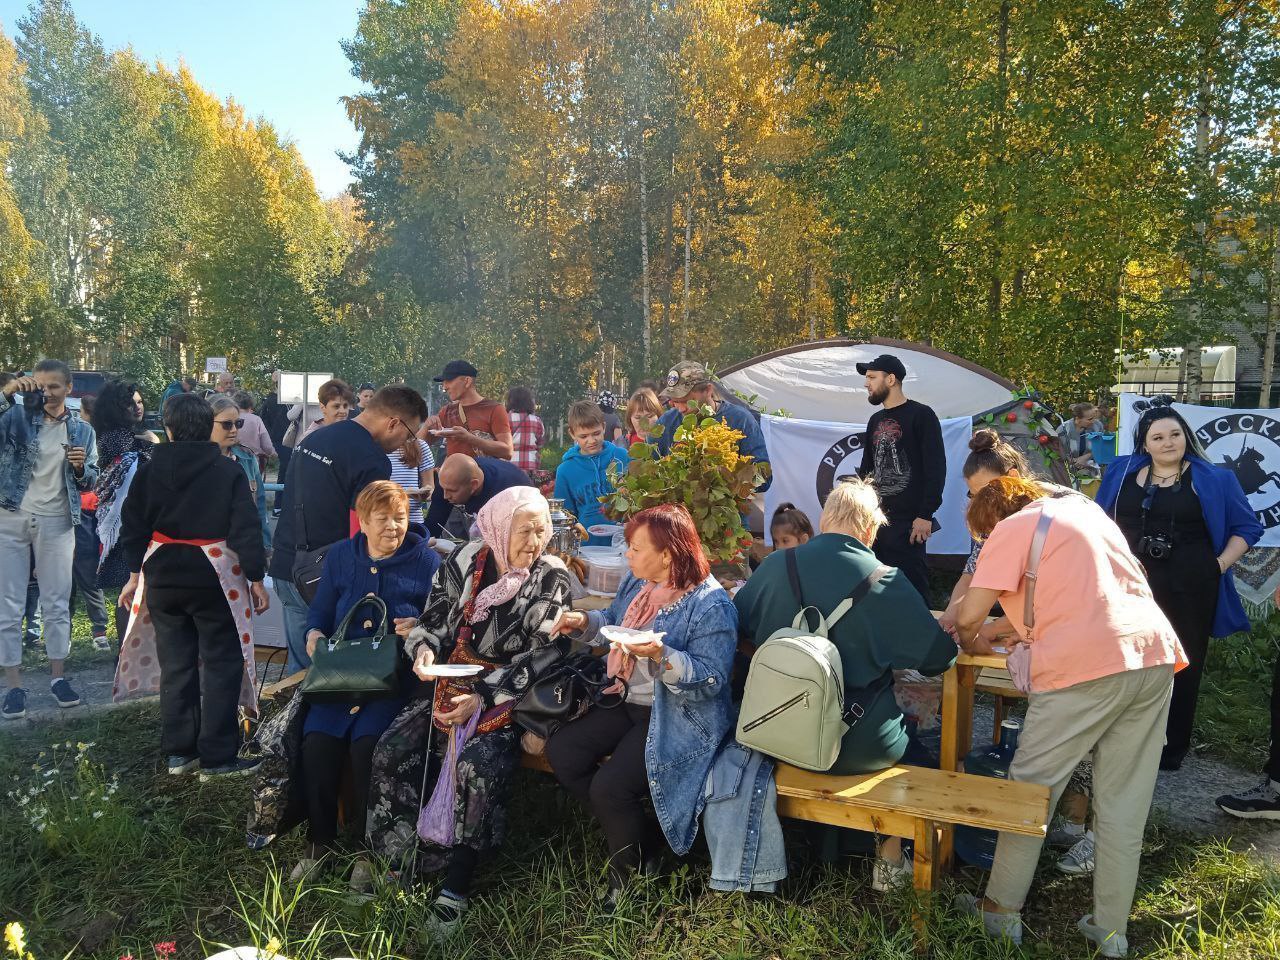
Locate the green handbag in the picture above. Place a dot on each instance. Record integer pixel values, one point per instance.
(354, 670)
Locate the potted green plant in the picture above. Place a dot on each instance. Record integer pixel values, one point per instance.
(705, 472)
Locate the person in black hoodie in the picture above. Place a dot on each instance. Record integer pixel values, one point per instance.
(190, 496)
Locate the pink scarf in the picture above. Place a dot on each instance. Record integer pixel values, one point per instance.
(495, 521)
(641, 612)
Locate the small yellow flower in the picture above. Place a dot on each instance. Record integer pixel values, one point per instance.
(272, 949)
(15, 939)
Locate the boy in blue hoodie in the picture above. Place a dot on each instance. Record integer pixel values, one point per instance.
(582, 477)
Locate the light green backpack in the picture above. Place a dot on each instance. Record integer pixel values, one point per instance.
(794, 705)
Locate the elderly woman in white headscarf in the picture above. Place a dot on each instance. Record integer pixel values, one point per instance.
(493, 603)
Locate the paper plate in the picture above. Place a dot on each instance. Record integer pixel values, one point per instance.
(454, 670)
(626, 637)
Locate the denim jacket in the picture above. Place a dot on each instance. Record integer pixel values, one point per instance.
(19, 441)
(691, 714)
(744, 834)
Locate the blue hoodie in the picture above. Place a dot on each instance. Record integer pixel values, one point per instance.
(582, 480)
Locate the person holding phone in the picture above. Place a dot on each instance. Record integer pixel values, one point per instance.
(48, 455)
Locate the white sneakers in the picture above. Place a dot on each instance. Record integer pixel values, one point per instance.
(888, 875)
(1108, 942)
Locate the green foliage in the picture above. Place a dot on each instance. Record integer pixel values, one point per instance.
(704, 471)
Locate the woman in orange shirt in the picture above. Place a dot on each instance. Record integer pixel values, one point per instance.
(1102, 660)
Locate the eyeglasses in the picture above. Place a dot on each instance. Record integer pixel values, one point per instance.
(228, 424)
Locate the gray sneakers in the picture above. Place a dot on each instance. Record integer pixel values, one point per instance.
(1078, 861)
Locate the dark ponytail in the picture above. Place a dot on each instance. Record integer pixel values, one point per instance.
(789, 519)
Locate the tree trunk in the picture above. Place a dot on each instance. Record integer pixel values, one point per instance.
(646, 331)
(995, 289)
(1273, 309)
(808, 300)
(688, 246)
(668, 258)
(1195, 312)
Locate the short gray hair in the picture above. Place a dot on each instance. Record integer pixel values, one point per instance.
(853, 504)
(223, 403)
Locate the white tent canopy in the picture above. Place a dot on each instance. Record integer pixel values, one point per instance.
(819, 380)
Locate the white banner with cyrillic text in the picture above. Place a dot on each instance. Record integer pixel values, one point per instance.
(808, 456)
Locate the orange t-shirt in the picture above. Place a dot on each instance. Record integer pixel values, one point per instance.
(1094, 612)
(486, 419)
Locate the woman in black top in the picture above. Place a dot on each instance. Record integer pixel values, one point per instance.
(186, 508)
(1161, 513)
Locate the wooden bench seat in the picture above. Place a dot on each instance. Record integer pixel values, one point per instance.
(904, 801)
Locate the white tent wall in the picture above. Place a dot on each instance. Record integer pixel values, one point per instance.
(819, 381)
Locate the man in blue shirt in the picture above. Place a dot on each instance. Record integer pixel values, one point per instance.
(468, 483)
(689, 384)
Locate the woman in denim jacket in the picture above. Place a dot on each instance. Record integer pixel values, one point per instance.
(661, 743)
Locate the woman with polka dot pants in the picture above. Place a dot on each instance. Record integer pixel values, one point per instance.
(190, 514)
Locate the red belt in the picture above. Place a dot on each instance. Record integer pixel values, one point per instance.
(159, 537)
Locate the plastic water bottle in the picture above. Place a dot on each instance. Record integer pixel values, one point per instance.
(974, 846)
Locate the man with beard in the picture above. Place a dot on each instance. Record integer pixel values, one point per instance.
(904, 457)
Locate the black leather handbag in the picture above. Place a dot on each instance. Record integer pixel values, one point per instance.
(560, 687)
(346, 670)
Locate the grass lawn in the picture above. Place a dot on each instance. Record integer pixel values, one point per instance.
(129, 857)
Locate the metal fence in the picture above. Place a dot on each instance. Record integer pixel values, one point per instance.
(1238, 395)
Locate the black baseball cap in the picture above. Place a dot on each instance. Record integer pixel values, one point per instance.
(885, 363)
(457, 368)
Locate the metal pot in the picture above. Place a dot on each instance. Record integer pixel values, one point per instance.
(564, 538)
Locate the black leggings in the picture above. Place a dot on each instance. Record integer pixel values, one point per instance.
(323, 757)
(615, 791)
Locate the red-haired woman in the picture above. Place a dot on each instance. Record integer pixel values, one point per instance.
(662, 741)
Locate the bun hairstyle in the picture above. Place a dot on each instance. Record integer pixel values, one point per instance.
(990, 453)
(789, 519)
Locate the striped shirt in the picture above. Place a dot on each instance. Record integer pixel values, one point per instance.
(408, 477)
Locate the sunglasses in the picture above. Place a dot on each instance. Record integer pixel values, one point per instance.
(228, 424)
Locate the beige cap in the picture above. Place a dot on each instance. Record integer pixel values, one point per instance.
(683, 378)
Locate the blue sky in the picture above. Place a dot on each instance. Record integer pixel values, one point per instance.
(279, 58)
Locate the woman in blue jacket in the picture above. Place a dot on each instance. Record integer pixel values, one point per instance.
(386, 560)
(661, 742)
(1188, 521)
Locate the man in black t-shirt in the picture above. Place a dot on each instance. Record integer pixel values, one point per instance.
(905, 459)
(328, 470)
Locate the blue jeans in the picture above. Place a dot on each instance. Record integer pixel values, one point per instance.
(84, 573)
(295, 624)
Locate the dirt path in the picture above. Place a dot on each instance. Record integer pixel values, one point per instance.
(1185, 798)
(91, 680)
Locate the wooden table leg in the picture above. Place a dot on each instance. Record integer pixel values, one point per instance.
(926, 865)
(950, 709)
(957, 737)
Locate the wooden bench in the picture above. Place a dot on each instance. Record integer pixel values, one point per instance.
(902, 801)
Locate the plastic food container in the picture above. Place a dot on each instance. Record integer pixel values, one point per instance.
(605, 569)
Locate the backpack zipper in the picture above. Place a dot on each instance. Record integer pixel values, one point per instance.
(765, 718)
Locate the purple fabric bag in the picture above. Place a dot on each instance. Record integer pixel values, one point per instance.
(437, 821)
